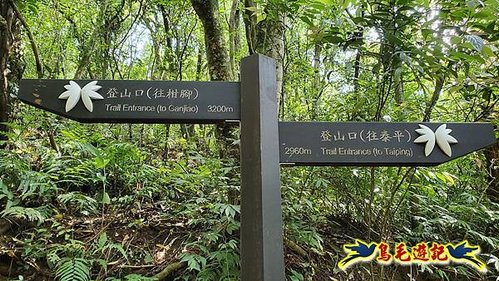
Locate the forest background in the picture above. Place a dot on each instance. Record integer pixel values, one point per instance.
(161, 202)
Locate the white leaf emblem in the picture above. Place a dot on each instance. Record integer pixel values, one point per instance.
(444, 139)
(441, 137)
(427, 136)
(74, 92)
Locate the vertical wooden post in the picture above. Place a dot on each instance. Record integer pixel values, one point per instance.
(262, 257)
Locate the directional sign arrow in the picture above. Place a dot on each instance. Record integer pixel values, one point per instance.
(380, 144)
(301, 143)
(135, 101)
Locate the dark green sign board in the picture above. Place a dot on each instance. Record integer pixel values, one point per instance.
(108, 101)
(300, 143)
(380, 144)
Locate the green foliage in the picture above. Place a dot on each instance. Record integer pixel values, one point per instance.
(132, 277)
(72, 269)
(30, 214)
(214, 256)
(83, 203)
(20, 186)
(106, 250)
(296, 276)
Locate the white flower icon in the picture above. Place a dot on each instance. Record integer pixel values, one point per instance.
(441, 137)
(87, 93)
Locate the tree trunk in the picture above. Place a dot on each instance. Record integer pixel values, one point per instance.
(110, 12)
(169, 64)
(316, 86)
(234, 39)
(439, 84)
(6, 41)
(216, 51)
(219, 69)
(250, 24)
(267, 37)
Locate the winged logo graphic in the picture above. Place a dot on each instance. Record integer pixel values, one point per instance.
(441, 137)
(87, 93)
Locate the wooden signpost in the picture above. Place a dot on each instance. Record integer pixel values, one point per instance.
(265, 143)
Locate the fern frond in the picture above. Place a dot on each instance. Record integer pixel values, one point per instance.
(5, 191)
(83, 202)
(73, 269)
(30, 214)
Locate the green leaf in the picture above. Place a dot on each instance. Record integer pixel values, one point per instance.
(466, 57)
(456, 40)
(101, 162)
(307, 20)
(105, 198)
(335, 39)
(476, 41)
(137, 277)
(102, 240)
(326, 2)
(427, 33)
(192, 263)
(71, 269)
(296, 276)
(487, 51)
(31, 214)
(394, 39)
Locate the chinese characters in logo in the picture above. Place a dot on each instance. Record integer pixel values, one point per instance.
(421, 253)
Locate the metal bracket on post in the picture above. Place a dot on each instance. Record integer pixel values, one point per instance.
(262, 256)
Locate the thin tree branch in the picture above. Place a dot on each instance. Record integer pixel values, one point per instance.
(170, 269)
(39, 66)
(439, 83)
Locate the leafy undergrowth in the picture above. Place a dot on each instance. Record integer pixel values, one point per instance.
(127, 243)
(98, 208)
